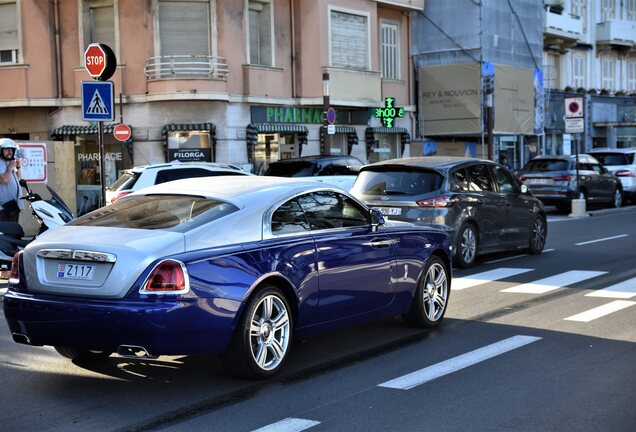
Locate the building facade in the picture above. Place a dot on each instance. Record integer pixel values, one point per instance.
(238, 81)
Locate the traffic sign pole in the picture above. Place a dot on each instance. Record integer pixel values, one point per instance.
(101, 161)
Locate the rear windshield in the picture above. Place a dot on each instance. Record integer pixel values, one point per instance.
(163, 212)
(542, 165)
(397, 181)
(614, 158)
(126, 181)
(290, 169)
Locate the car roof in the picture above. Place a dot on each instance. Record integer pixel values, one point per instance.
(435, 162)
(179, 164)
(238, 190)
(561, 157)
(312, 158)
(613, 150)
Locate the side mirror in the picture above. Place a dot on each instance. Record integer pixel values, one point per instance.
(376, 219)
(23, 183)
(524, 189)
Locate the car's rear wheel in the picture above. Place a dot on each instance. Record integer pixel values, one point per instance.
(431, 297)
(617, 198)
(79, 354)
(466, 246)
(538, 234)
(263, 336)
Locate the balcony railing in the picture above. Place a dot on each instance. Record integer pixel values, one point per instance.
(186, 66)
(620, 32)
(565, 25)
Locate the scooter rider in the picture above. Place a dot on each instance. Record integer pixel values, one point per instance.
(10, 190)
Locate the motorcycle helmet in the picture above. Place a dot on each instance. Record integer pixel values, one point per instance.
(8, 143)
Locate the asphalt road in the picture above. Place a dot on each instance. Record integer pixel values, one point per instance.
(529, 343)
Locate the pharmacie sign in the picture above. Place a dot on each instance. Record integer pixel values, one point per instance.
(271, 114)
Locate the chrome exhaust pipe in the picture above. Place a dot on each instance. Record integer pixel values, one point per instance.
(134, 351)
(21, 338)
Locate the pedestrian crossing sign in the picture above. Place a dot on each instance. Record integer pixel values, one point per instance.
(98, 99)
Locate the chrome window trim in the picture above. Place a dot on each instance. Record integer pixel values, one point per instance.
(186, 277)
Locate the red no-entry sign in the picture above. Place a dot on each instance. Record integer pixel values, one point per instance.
(122, 132)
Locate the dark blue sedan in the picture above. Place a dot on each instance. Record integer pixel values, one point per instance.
(231, 265)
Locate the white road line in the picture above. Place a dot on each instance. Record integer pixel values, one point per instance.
(462, 283)
(622, 290)
(289, 425)
(601, 311)
(515, 257)
(600, 240)
(463, 361)
(552, 283)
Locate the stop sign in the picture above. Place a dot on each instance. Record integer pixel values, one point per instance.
(122, 132)
(100, 61)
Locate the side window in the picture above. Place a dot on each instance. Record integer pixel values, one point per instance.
(595, 167)
(289, 218)
(479, 180)
(504, 181)
(459, 181)
(178, 174)
(353, 166)
(333, 167)
(327, 210)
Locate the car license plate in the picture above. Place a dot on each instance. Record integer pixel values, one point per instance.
(390, 211)
(75, 271)
(538, 181)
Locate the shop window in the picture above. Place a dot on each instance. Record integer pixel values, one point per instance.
(273, 147)
(349, 40)
(9, 41)
(386, 147)
(99, 23)
(261, 22)
(190, 146)
(337, 145)
(390, 53)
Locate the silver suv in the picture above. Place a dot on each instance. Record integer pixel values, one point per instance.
(149, 175)
(622, 163)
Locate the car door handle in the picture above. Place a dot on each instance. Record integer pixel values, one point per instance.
(382, 243)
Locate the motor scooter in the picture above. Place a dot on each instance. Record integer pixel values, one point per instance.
(49, 214)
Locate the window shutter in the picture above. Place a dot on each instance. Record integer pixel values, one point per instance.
(183, 28)
(8, 27)
(349, 40)
(103, 26)
(389, 50)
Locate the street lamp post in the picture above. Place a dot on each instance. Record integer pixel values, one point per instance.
(325, 101)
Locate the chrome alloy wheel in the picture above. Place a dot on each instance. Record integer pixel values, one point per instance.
(435, 292)
(538, 234)
(468, 245)
(618, 198)
(269, 332)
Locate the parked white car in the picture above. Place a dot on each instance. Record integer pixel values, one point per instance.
(622, 163)
(339, 171)
(149, 175)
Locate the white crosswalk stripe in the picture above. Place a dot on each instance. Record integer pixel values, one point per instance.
(463, 361)
(552, 283)
(289, 425)
(462, 283)
(601, 311)
(622, 290)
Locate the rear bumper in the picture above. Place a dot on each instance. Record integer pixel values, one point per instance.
(162, 326)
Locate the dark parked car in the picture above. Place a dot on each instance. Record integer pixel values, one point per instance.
(478, 202)
(552, 179)
(338, 171)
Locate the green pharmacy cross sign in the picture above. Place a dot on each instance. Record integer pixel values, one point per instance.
(389, 112)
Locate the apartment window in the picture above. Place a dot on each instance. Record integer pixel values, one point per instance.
(579, 9)
(184, 27)
(631, 10)
(9, 42)
(99, 22)
(631, 76)
(551, 71)
(349, 40)
(390, 53)
(607, 73)
(578, 70)
(608, 10)
(260, 33)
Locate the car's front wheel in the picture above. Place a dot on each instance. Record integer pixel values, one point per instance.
(431, 297)
(466, 246)
(263, 336)
(538, 234)
(82, 355)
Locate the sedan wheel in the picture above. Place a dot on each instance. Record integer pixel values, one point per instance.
(263, 337)
(429, 304)
(617, 202)
(466, 249)
(538, 234)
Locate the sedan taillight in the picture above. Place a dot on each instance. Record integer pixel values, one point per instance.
(438, 201)
(562, 178)
(624, 173)
(119, 195)
(14, 274)
(168, 277)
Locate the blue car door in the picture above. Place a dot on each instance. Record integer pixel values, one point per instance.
(355, 264)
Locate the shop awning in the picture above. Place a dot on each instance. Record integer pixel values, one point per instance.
(352, 136)
(188, 127)
(369, 136)
(67, 130)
